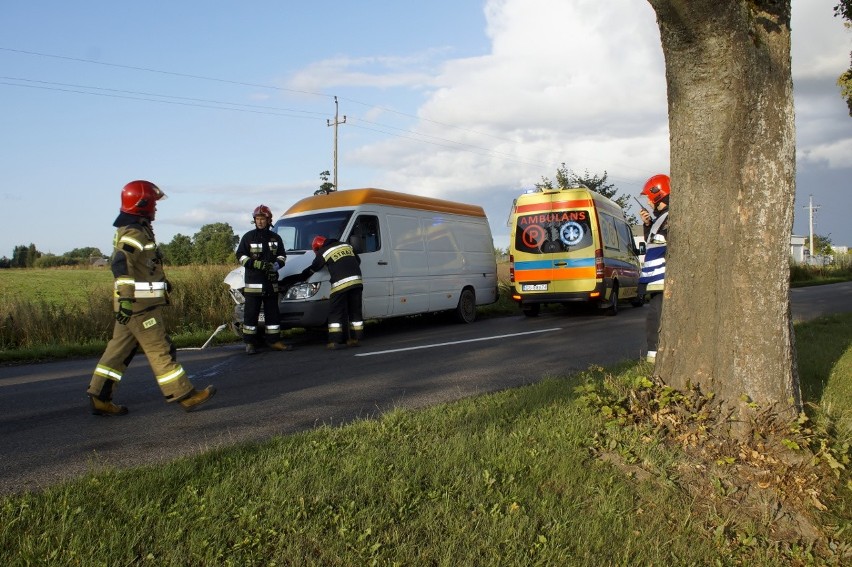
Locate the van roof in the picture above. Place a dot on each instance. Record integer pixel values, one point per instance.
(564, 198)
(371, 196)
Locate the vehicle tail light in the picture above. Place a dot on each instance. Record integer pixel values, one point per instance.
(599, 264)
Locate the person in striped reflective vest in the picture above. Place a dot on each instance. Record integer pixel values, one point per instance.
(140, 292)
(653, 276)
(345, 315)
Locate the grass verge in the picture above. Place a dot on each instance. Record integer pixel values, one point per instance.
(512, 478)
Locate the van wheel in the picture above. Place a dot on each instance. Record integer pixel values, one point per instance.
(612, 306)
(531, 310)
(466, 309)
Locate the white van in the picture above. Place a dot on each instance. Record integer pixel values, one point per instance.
(418, 255)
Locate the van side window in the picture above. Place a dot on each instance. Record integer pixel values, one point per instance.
(608, 232)
(365, 237)
(625, 237)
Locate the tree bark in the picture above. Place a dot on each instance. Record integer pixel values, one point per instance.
(726, 324)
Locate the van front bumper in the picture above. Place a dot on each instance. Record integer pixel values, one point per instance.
(298, 313)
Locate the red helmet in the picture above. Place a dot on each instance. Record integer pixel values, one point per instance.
(140, 198)
(657, 187)
(317, 242)
(262, 211)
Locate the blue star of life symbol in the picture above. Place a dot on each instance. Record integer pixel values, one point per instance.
(570, 233)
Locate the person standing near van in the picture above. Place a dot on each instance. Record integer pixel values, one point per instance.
(141, 291)
(653, 276)
(261, 253)
(344, 268)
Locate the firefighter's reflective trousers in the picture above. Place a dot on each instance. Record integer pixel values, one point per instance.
(146, 331)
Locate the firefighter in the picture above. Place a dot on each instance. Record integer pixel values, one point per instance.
(261, 253)
(344, 268)
(140, 292)
(653, 277)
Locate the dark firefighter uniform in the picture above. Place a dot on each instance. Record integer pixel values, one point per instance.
(265, 248)
(138, 270)
(344, 268)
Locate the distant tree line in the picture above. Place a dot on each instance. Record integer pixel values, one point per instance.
(213, 244)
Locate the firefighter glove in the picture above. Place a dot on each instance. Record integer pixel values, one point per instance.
(125, 310)
(306, 273)
(260, 265)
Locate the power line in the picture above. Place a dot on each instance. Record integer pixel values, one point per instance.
(120, 93)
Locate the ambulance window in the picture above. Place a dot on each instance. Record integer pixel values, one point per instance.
(625, 237)
(364, 236)
(608, 232)
(550, 233)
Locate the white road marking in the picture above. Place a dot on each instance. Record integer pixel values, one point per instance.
(458, 342)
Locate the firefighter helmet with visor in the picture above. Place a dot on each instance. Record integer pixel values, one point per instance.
(317, 242)
(657, 188)
(140, 198)
(262, 211)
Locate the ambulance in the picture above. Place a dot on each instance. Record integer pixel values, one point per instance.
(418, 255)
(571, 245)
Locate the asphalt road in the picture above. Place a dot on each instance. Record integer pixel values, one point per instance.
(47, 434)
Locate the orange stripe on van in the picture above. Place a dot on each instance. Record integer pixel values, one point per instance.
(354, 197)
(554, 206)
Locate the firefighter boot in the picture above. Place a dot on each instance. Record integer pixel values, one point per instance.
(279, 345)
(197, 397)
(107, 408)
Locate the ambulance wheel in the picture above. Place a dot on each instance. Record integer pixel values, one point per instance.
(612, 306)
(466, 309)
(531, 310)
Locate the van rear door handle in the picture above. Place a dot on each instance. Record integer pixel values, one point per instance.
(560, 264)
(382, 263)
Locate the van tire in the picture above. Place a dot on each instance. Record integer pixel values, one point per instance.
(466, 309)
(612, 305)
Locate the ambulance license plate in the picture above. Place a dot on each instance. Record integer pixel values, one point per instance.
(534, 287)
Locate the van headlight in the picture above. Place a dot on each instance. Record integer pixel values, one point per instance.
(304, 290)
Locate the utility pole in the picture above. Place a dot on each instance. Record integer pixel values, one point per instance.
(811, 209)
(335, 123)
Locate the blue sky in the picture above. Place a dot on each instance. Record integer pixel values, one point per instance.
(225, 106)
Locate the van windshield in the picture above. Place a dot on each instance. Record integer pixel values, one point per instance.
(558, 231)
(298, 232)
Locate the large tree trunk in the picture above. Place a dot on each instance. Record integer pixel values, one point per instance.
(726, 324)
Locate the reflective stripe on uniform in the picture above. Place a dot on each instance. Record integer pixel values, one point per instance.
(249, 330)
(253, 288)
(356, 325)
(150, 289)
(132, 242)
(107, 372)
(345, 282)
(171, 376)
